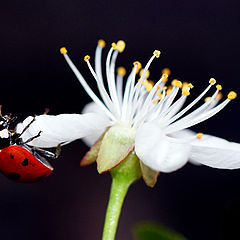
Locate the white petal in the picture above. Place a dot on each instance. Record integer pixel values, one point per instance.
(61, 128)
(186, 133)
(216, 152)
(159, 152)
(92, 107)
(91, 139)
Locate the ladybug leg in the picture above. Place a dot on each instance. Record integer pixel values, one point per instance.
(48, 154)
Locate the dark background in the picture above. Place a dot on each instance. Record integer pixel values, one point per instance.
(198, 40)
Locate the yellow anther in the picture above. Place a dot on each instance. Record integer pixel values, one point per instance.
(199, 135)
(232, 95)
(190, 85)
(164, 88)
(155, 101)
(121, 71)
(148, 86)
(219, 96)
(212, 81)
(176, 83)
(151, 82)
(157, 53)
(101, 43)
(207, 99)
(164, 77)
(147, 74)
(169, 89)
(158, 93)
(160, 97)
(63, 50)
(138, 64)
(86, 58)
(114, 45)
(120, 46)
(166, 71)
(186, 88)
(219, 87)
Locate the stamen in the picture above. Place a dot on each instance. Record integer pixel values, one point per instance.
(101, 43)
(139, 66)
(147, 74)
(101, 87)
(212, 81)
(127, 93)
(63, 50)
(157, 53)
(86, 87)
(169, 89)
(207, 99)
(219, 87)
(111, 77)
(114, 46)
(199, 135)
(205, 107)
(121, 71)
(166, 71)
(147, 85)
(174, 118)
(219, 96)
(86, 58)
(202, 117)
(232, 95)
(98, 59)
(120, 46)
(177, 83)
(186, 89)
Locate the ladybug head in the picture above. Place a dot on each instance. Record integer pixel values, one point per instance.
(5, 120)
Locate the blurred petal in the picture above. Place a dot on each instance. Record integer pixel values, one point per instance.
(92, 107)
(61, 128)
(159, 152)
(216, 152)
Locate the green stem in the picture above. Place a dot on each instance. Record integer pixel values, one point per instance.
(117, 195)
(122, 177)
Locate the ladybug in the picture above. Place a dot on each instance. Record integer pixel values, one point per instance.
(18, 161)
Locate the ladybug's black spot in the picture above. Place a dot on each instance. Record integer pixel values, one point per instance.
(11, 156)
(40, 178)
(14, 176)
(25, 162)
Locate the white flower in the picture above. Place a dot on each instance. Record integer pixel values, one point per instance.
(141, 115)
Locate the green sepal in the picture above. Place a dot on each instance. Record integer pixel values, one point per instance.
(149, 175)
(91, 156)
(155, 231)
(116, 145)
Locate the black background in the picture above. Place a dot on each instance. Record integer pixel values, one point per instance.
(198, 40)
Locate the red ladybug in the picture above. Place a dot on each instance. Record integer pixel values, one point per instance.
(18, 161)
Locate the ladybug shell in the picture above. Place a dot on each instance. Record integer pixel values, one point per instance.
(20, 165)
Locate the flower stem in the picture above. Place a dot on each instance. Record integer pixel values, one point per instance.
(117, 195)
(122, 177)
